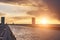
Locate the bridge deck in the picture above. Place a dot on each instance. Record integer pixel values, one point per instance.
(6, 33)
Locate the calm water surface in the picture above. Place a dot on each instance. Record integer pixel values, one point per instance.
(34, 33)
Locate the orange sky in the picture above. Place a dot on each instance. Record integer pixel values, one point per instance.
(15, 12)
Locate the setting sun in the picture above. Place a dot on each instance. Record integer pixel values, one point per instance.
(44, 21)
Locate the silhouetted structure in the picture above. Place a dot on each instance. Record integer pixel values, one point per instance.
(2, 20)
(5, 31)
(33, 20)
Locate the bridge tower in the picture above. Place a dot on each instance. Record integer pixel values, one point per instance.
(2, 20)
(33, 20)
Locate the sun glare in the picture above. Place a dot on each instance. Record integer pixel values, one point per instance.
(46, 20)
(43, 21)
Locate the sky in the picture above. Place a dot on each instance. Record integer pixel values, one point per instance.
(18, 10)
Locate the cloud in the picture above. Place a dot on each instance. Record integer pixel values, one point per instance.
(14, 1)
(2, 14)
(54, 6)
(18, 19)
(15, 10)
(46, 7)
(34, 3)
(43, 7)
